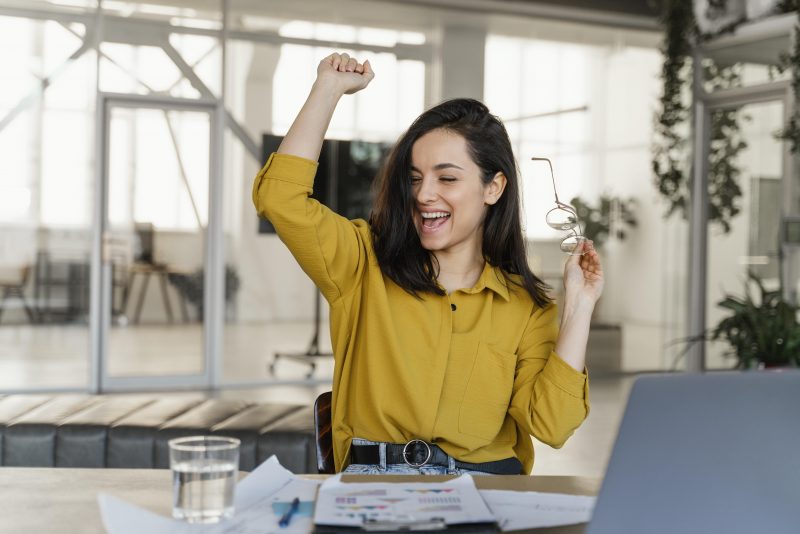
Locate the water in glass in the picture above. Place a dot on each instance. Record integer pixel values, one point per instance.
(203, 490)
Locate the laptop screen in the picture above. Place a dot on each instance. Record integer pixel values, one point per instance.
(706, 453)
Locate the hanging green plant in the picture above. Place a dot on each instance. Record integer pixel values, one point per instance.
(671, 128)
(726, 142)
(670, 164)
(791, 132)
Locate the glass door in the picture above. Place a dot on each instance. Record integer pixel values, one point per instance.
(157, 161)
(751, 247)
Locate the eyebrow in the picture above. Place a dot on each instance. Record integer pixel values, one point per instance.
(440, 166)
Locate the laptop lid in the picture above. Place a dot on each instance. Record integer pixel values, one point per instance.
(705, 453)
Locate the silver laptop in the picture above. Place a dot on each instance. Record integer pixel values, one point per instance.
(705, 453)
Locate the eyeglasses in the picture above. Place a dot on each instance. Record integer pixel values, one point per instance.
(563, 217)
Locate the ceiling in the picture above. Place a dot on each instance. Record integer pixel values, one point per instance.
(643, 8)
(631, 14)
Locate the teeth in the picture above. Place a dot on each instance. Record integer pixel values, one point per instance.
(434, 215)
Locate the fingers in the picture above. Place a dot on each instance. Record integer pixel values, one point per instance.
(334, 60)
(577, 253)
(344, 63)
(344, 73)
(368, 72)
(590, 260)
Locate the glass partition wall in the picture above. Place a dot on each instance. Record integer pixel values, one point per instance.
(757, 243)
(130, 253)
(46, 190)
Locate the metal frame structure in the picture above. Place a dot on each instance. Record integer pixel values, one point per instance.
(704, 104)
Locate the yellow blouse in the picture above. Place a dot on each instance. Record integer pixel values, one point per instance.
(473, 371)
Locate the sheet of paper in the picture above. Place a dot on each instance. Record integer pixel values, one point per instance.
(120, 517)
(255, 494)
(517, 510)
(350, 504)
(260, 516)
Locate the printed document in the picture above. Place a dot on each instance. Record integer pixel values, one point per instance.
(354, 504)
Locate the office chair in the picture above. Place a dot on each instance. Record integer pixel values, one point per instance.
(323, 434)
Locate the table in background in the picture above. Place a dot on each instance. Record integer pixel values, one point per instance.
(45, 500)
(162, 272)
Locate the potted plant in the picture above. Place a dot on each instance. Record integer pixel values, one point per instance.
(762, 331)
(610, 218)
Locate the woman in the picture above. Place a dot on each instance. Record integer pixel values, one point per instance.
(448, 355)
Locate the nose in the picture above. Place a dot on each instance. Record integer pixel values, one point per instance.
(427, 191)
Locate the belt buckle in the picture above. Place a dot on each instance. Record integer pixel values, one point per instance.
(405, 453)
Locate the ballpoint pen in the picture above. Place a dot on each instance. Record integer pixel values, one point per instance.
(284, 522)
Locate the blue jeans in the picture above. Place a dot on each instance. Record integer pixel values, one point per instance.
(383, 468)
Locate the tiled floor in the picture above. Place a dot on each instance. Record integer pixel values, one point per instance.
(56, 357)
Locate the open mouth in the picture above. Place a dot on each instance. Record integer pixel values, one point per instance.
(433, 220)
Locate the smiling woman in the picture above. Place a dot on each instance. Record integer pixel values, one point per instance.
(448, 355)
(463, 194)
(451, 204)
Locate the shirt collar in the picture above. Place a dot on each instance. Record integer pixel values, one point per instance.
(491, 278)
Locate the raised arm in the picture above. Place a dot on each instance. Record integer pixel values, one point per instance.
(337, 75)
(329, 248)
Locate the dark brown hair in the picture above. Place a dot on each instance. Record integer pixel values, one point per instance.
(395, 239)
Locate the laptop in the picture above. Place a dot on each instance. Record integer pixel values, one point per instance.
(705, 453)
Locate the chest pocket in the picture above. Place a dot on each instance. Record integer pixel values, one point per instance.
(487, 394)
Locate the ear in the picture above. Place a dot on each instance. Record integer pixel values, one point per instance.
(494, 189)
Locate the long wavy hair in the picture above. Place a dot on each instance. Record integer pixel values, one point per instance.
(397, 245)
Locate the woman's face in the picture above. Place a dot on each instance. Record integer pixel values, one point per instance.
(450, 199)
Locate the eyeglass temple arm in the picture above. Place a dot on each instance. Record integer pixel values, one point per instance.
(552, 177)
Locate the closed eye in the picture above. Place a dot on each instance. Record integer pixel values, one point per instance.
(416, 179)
(447, 178)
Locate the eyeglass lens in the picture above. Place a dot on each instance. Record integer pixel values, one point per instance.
(563, 217)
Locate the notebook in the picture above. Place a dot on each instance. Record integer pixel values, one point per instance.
(701, 453)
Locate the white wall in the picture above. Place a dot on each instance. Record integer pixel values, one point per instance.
(646, 272)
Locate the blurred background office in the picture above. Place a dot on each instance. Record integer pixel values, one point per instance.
(131, 258)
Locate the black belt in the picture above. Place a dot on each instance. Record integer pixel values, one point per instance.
(417, 453)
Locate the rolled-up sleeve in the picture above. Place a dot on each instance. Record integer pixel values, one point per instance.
(550, 398)
(328, 247)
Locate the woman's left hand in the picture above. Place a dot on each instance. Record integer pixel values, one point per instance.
(583, 273)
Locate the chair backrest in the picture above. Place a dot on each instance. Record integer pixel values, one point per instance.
(144, 246)
(25, 272)
(322, 430)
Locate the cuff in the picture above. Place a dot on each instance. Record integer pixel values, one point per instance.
(287, 168)
(565, 377)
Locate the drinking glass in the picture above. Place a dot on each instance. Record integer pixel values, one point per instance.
(203, 477)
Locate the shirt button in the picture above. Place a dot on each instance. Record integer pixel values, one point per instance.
(453, 307)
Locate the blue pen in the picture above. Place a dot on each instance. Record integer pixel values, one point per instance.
(284, 522)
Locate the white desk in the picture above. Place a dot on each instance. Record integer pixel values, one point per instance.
(49, 500)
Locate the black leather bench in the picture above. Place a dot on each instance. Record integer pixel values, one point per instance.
(131, 431)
